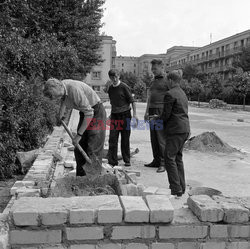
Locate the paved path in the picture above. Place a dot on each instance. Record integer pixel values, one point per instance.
(228, 173)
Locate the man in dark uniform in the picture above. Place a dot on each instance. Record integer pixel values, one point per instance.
(177, 128)
(157, 92)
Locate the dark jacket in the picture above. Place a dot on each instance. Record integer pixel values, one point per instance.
(175, 112)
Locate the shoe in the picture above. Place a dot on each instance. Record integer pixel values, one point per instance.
(152, 164)
(113, 164)
(160, 169)
(178, 194)
(127, 164)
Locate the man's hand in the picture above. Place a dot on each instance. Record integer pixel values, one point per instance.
(146, 117)
(76, 139)
(134, 121)
(153, 117)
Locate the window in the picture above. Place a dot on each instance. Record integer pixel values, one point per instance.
(217, 50)
(210, 52)
(235, 44)
(227, 47)
(198, 56)
(122, 64)
(203, 54)
(96, 75)
(134, 65)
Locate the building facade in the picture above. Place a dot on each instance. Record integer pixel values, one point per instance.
(141, 65)
(98, 76)
(216, 57)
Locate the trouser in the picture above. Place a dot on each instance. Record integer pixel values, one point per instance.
(92, 140)
(158, 139)
(120, 125)
(174, 163)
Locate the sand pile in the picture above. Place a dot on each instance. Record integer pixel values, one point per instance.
(208, 142)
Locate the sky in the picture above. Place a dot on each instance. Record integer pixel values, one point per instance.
(152, 26)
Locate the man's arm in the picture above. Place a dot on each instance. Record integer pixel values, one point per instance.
(146, 115)
(168, 105)
(134, 112)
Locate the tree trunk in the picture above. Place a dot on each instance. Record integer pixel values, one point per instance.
(198, 101)
(244, 102)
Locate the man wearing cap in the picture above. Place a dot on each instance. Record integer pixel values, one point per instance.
(78, 95)
(156, 95)
(120, 98)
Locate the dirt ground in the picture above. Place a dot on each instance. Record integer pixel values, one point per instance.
(228, 173)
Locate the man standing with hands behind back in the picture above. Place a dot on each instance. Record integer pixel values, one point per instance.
(157, 92)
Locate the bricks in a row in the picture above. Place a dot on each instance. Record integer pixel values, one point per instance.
(85, 209)
(98, 233)
(207, 209)
(157, 245)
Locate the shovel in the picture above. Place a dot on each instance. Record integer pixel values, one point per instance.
(76, 145)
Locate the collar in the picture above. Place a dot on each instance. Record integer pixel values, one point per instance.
(159, 77)
(119, 82)
(65, 91)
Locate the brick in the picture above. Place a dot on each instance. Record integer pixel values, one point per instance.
(85, 246)
(188, 245)
(132, 189)
(205, 208)
(81, 216)
(213, 245)
(135, 209)
(110, 211)
(84, 233)
(150, 190)
(28, 217)
(160, 209)
(218, 231)
(133, 232)
(163, 191)
(184, 232)
(238, 245)
(239, 231)
(140, 189)
(4, 240)
(184, 216)
(28, 192)
(135, 246)
(35, 237)
(162, 246)
(53, 216)
(109, 246)
(235, 213)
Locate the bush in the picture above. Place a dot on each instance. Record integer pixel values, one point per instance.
(217, 103)
(25, 121)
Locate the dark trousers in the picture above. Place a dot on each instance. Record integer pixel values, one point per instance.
(174, 163)
(120, 125)
(92, 140)
(158, 139)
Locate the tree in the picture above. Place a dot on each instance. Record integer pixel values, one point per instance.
(241, 85)
(40, 39)
(197, 88)
(186, 87)
(140, 89)
(190, 71)
(214, 83)
(130, 79)
(147, 79)
(243, 61)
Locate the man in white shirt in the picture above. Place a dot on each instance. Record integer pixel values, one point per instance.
(78, 95)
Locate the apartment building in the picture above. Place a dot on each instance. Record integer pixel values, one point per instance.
(99, 73)
(141, 65)
(127, 64)
(216, 57)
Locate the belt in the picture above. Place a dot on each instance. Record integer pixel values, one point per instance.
(96, 105)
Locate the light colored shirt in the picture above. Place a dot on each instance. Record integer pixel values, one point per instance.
(80, 96)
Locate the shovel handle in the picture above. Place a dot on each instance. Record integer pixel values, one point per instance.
(77, 145)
